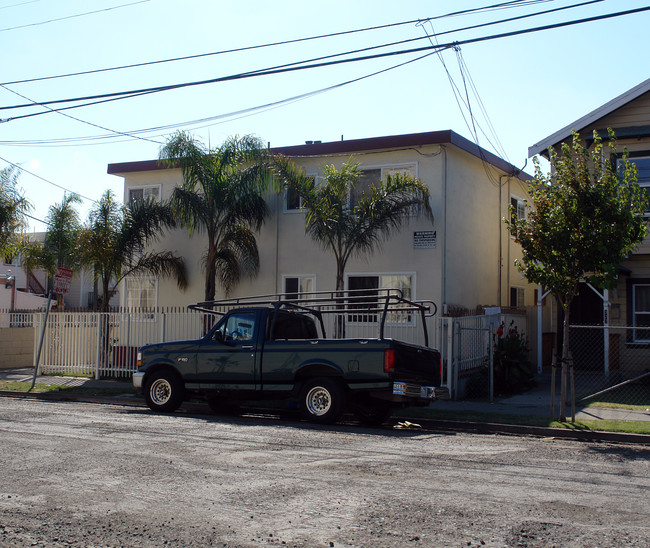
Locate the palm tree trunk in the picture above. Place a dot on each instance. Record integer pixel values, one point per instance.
(340, 301)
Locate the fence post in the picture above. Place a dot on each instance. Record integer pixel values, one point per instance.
(606, 305)
(98, 357)
(163, 322)
(456, 357)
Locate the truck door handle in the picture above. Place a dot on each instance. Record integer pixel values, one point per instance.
(247, 347)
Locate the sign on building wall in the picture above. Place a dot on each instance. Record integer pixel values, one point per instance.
(424, 239)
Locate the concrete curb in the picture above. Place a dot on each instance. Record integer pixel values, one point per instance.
(426, 424)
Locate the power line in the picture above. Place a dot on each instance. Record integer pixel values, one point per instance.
(72, 16)
(45, 180)
(284, 69)
(516, 3)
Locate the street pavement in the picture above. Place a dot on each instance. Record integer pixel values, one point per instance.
(536, 401)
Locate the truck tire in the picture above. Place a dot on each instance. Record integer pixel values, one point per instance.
(164, 391)
(322, 400)
(372, 412)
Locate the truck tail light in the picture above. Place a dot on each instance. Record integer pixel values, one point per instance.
(389, 360)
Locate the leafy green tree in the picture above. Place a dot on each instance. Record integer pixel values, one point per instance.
(586, 217)
(345, 219)
(14, 208)
(114, 243)
(222, 197)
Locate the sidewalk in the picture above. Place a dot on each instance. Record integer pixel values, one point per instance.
(535, 402)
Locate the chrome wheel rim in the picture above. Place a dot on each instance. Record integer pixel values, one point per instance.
(160, 391)
(319, 401)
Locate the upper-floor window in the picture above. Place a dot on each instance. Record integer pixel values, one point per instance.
(292, 201)
(150, 192)
(518, 209)
(641, 312)
(642, 164)
(374, 175)
(517, 297)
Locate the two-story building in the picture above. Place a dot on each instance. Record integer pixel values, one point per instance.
(461, 261)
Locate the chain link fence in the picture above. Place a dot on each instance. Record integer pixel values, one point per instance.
(611, 365)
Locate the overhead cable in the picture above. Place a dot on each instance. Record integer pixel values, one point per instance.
(272, 71)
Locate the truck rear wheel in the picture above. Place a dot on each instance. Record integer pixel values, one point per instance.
(322, 400)
(164, 392)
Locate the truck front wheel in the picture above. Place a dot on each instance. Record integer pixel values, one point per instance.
(322, 400)
(164, 392)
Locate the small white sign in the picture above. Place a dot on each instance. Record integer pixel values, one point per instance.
(425, 239)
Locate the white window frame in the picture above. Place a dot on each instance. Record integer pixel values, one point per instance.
(635, 313)
(520, 212)
(131, 279)
(643, 183)
(412, 321)
(144, 189)
(301, 278)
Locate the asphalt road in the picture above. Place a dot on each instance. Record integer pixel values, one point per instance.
(80, 474)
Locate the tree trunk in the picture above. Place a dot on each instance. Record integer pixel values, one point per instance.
(340, 288)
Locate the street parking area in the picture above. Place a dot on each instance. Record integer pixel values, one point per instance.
(83, 474)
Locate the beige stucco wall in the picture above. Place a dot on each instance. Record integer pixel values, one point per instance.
(16, 347)
(467, 206)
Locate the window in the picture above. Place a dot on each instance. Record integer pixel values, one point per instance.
(144, 193)
(141, 292)
(237, 327)
(642, 164)
(641, 312)
(293, 202)
(299, 286)
(368, 285)
(517, 297)
(518, 209)
(373, 176)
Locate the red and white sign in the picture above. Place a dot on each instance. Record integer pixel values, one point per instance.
(62, 280)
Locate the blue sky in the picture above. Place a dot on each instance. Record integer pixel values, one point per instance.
(529, 86)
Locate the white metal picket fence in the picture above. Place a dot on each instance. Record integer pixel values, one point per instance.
(106, 344)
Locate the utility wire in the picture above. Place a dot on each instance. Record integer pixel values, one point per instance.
(80, 120)
(45, 180)
(72, 16)
(518, 3)
(272, 71)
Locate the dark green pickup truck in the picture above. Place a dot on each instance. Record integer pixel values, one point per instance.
(263, 348)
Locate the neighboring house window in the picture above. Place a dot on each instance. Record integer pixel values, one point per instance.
(299, 286)
(518, 209)
(368, 285)
(641, 312)
(141, 292)
(293, 202)
(642, 164)
(151, 192)
(517, 297)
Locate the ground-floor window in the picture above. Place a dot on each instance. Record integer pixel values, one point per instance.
(299, 285)
(141, 292)
(368, 285)
(517, 297)
(641, 312)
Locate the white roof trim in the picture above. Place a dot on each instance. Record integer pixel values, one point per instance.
(590, 118)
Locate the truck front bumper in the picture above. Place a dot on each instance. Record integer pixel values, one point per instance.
(138, 376)
(410, 390)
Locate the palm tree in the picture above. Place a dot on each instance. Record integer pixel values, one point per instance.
(347, 220)
(221, 196)
(13, 211)
(114, 242)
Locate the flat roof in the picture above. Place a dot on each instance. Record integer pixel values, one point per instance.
(588, 119)
(317, 148)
